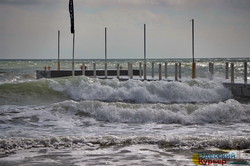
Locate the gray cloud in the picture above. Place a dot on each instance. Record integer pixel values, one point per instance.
(20, 2)
(29, 2)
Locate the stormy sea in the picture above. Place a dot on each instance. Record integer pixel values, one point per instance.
(78, 120)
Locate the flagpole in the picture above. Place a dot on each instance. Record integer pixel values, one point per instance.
(73, 56)
(193, 63)
(58, 61)
(72, 29)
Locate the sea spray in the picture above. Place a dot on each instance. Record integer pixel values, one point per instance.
(135, 91)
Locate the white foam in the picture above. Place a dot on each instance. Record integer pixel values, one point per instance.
(174, 142)
(229, 111)
(82, 88)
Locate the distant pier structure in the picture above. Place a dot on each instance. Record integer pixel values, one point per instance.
(241, 89)
(238, 88)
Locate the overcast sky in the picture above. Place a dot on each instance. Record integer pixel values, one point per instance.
(28, 28)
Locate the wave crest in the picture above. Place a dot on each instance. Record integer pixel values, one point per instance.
(82, 88)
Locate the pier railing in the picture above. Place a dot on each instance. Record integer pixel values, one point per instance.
(171, 71)
(235, 74)
(156, 70)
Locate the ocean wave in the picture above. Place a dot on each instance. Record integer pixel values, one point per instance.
(222, 112)
(174, 142)
(47, 91)
(229, 111)
(29, 93)
(135, 91)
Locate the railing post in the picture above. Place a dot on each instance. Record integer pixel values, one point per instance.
(145, 71)
(153, 74)
(131, 71)
(140, 69)
(193, 70)
(83, 69)
(94, 70)
(245, 72)
(232, 72)
(166, 69)
(176, 71)
(106, 70)
(118, 71)
(211, 70)
(227, 77)
(180, 70)
(128, 70)
(160, 77)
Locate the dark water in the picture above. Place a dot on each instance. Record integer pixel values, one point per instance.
(86, 121)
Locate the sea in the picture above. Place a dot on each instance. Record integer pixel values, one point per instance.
(79, 120)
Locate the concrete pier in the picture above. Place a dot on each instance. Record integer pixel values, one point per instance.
(239, 89)
(66, 73)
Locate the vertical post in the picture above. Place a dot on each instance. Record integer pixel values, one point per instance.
(83, 69)
(105, 44)
(58, 61)
(145, 71)
(180, 70)
(193, 63)
(232, 72)
(145, 61)
(176, 71)
(211, 70)
(245, 72)
(106, 70)
(73, 56)
(227, 77)
(166, 70)
(94, 70)
(209, 67)
(153, 74)
(193, 70)
(118, 70)
(160, 74)
(131, 71)
(140, 69)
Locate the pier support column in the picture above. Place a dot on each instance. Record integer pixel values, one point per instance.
(176, 71)
(94, 70)
(227, 76)
(145, 71)
(166, 70)
(160, 74)
(118, 71)
(106, 70)
(245, 72)
(153, 72)
(232, 72)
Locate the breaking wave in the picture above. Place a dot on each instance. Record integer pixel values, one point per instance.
(135, 91)
(186, 142)
(229, 111)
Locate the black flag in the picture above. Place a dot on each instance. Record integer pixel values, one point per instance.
(71, 12)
